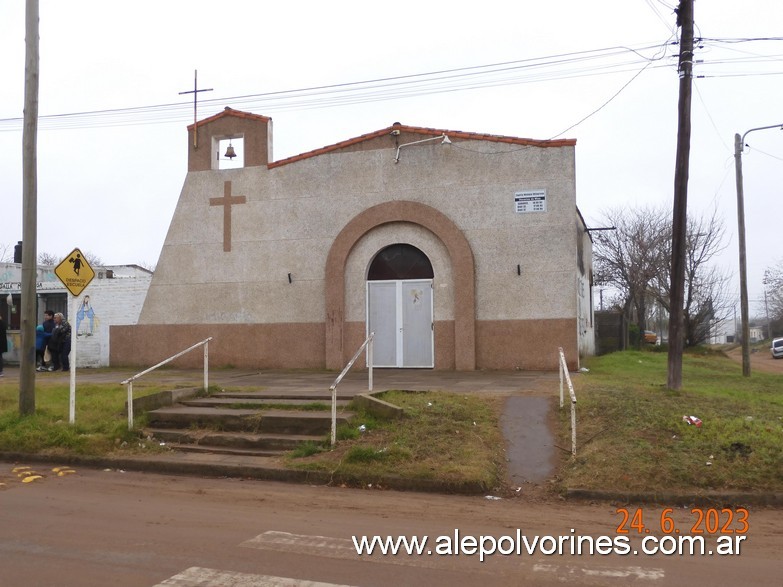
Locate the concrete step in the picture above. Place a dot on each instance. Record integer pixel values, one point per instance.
(285, 395)
(224, 450)
(246, 420)
(251, 402)
(242, 441)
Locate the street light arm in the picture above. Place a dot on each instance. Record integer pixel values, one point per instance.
(742, 141)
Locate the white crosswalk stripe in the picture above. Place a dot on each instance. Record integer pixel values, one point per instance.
(339, 548)
(202, 577)
(304, 544)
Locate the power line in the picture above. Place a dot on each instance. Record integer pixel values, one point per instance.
(628, 83)
(574, 65)
(541, 69)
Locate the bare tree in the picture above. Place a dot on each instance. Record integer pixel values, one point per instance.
(6, 253)
(636, 259)
(93, 259)
(773, 297)
(148, 266)
(631, 256)
(707, 303)
(45, 258)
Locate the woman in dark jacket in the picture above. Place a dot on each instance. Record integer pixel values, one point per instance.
(60, 343)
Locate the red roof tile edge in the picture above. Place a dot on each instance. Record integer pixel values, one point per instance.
(230, 112)
(452, 134)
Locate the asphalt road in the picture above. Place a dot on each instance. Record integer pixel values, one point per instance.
(108, 527)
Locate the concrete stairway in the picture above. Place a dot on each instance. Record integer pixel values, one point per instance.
(246, 423)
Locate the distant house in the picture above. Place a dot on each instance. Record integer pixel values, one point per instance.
(756, 333)
(115, 296)
(459, 250)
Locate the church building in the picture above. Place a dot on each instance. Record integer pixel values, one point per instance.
(458, 250)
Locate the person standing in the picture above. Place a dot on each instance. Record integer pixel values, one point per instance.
(41, 342)
(60, 343)
(3, 344)
(48, 325)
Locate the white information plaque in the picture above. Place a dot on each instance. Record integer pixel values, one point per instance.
(530, 201)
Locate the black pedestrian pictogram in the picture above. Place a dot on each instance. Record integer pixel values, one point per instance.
(77, 263)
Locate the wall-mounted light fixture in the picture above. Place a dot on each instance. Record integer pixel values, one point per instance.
(444, 140)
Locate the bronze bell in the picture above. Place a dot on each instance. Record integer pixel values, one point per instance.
(230, 153)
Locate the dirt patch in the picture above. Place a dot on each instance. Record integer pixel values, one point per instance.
(761, 361)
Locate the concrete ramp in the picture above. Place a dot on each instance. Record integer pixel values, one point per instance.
(530, 442)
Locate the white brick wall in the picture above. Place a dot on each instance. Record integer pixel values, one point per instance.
(115, 301)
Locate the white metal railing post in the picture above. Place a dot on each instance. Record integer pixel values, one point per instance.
(369, 361)
(206, 366)
(333, 439)
(129, 381)
(130, 405)
(564, 374)
(573, 428)
(560, 369)
(365, 347)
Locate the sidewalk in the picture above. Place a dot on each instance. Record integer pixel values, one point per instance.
(530, 395)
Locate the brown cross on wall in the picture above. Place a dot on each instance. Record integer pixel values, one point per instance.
(227, 201)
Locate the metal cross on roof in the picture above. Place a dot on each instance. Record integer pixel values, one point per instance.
(195, 92)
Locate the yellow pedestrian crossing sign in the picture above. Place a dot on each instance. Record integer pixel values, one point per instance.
(75, 272)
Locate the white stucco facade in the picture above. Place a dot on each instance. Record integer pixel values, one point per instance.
(270, 260)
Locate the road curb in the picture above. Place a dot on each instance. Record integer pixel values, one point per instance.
(174, 466)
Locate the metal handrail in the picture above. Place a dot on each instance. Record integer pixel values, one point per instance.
(368, 345)
(130, 380)
(564, 370)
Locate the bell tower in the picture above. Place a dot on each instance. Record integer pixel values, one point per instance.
(243, 138)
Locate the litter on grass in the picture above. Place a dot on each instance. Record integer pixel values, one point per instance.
(692, 421)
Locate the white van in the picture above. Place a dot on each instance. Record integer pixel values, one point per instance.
(777, 348)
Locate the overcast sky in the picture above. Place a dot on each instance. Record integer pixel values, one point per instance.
(108, 182)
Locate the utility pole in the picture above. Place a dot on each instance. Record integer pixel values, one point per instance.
(739, 144)
(680, 211)
(29, 211)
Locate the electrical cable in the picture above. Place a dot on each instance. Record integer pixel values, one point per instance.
(555, 67)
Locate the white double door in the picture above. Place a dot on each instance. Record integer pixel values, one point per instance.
(399, 312)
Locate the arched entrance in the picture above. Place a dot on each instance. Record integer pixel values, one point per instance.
(460, 253)
(399, 307)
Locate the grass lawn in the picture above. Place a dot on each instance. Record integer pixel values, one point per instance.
(101, 422)
(443, 436)
(631, 435)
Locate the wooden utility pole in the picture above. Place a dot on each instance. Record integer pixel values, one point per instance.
(29, 211)
(739, 146)
(680, 211)
(738, 140)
